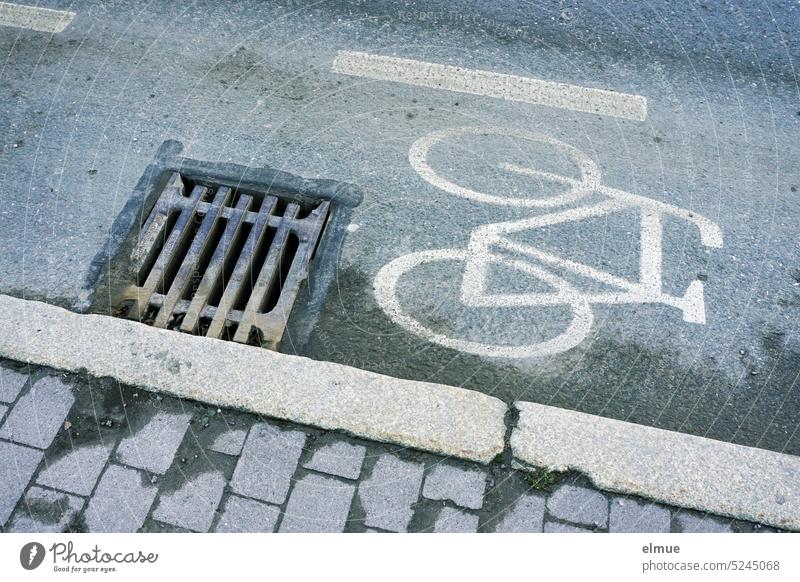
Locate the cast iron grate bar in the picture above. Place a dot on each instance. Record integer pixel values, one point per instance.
(222, 263)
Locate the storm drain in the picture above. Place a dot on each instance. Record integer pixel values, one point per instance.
(216, 261)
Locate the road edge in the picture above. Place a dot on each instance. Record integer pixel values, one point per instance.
(432, 417)
(670, 467)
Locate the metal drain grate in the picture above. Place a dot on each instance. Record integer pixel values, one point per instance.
(215, 261)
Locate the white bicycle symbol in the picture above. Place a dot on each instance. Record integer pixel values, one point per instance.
(488, 241)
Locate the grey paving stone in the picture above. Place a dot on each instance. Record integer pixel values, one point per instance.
(45, 511)
(193, 505)
(268, 461)
(11, 383)
(635, 516)
(579, 505)
(339, 458)
(242, 515)
(691, 522)
(121, 502)
(452, 520)
(389, 493)
(77, 471)
(318, 504)
(464, 487)
(229, 442)
(17, 464)
(557, 527)
(3, 410)
(37, 416)
(154, 445)
(525, 516)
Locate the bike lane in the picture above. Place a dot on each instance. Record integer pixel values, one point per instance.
(718, 140)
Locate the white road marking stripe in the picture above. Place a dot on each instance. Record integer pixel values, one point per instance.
(34, 18)
(491, 84)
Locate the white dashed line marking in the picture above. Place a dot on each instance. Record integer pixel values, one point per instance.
(491, 84)
(34, 18)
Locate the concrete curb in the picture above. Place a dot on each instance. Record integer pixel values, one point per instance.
(676, 468)
(432, 417)
(670, 467)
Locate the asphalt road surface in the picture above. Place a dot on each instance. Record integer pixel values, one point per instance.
(649, 272)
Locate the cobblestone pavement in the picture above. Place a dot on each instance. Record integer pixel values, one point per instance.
(84, 454)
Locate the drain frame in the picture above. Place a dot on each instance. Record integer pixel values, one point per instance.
(325, 207)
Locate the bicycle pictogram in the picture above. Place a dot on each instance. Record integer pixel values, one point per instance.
(491, 244)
